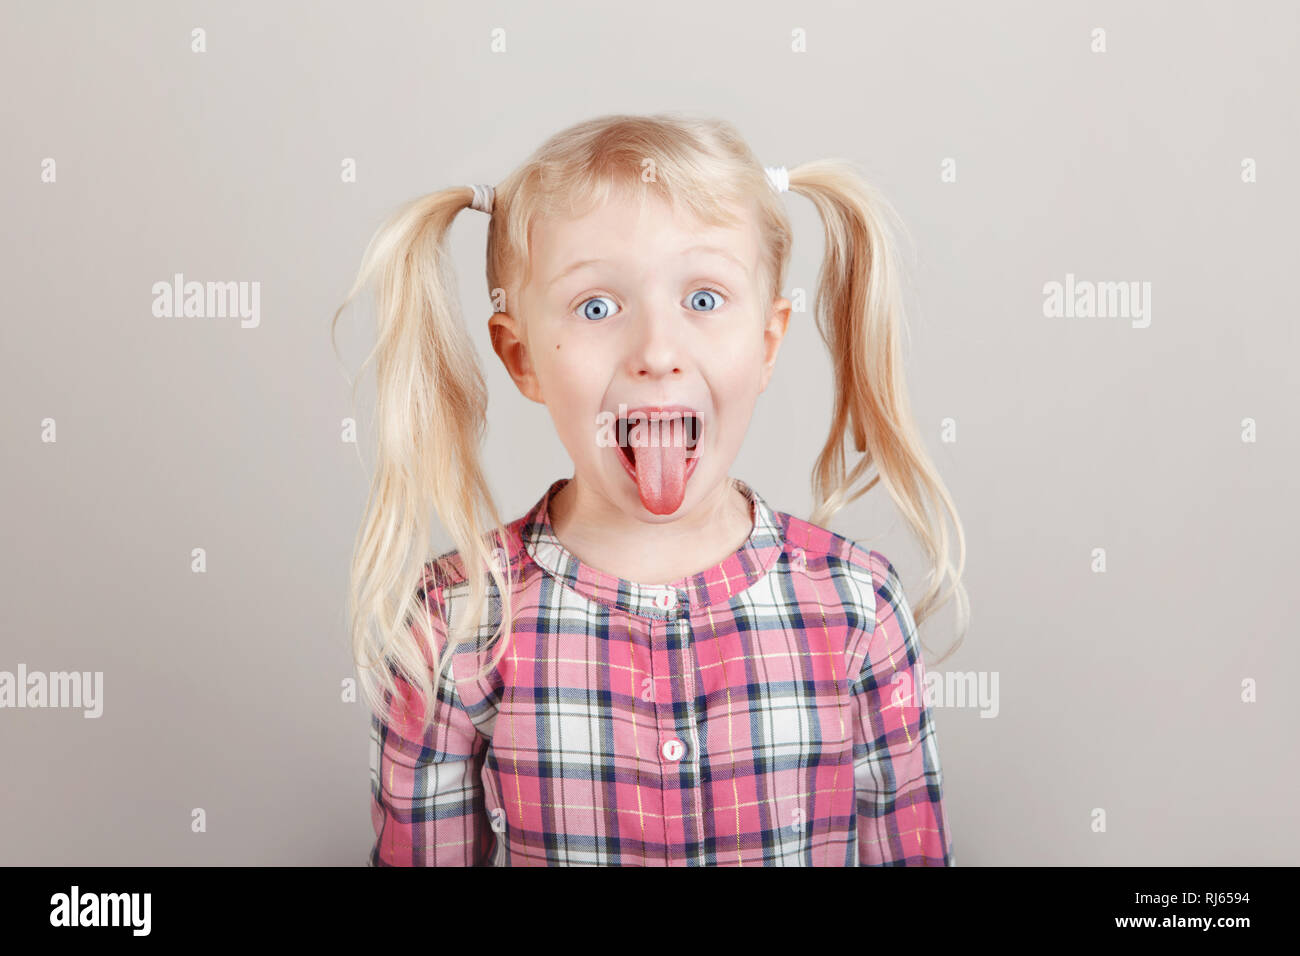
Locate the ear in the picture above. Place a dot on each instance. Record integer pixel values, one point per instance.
(778, 321)
(510, 348)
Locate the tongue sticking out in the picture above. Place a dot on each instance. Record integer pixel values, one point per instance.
(661, 471)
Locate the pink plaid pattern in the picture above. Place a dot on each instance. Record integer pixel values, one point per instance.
(767, 711)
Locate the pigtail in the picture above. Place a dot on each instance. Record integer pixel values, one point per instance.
(860, 317)
(431, 417)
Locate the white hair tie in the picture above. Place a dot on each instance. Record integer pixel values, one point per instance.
(483, 198)
(779, 177)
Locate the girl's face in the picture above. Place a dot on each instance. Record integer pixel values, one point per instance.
(632, 308)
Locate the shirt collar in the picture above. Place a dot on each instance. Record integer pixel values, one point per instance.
(714, 585)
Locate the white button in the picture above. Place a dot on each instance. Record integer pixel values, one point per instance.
(665, 599)
(799, 560)
(673, 749)
(499, 559)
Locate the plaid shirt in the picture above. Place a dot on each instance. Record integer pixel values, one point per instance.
(765, 711)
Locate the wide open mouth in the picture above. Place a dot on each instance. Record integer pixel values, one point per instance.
(686, 428)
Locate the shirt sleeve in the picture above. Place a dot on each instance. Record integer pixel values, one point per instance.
(427, 803)
(897, 778)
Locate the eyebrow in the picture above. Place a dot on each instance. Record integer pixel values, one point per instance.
(715, 250)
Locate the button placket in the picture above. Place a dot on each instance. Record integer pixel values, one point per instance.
(665, 599)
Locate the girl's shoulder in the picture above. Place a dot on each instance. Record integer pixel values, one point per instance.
(447, 571)
(864, 581)
(818, 548)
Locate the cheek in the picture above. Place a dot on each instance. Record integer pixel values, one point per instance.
(735, 395)
(736, 374)
(736, 347)
(572, 389)
(556, 364)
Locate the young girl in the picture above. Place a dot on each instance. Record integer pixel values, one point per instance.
(651, 667)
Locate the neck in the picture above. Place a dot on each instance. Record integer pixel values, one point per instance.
(603, 536)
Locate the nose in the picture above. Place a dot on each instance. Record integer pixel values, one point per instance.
(657, 347)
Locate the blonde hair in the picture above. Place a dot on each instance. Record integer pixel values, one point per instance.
(432, 400)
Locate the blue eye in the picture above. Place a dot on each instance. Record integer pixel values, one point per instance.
(598, 312)
(704, 297)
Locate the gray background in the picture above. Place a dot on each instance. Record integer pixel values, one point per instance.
(222, 690)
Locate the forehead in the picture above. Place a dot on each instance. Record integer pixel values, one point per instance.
(627, 230)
